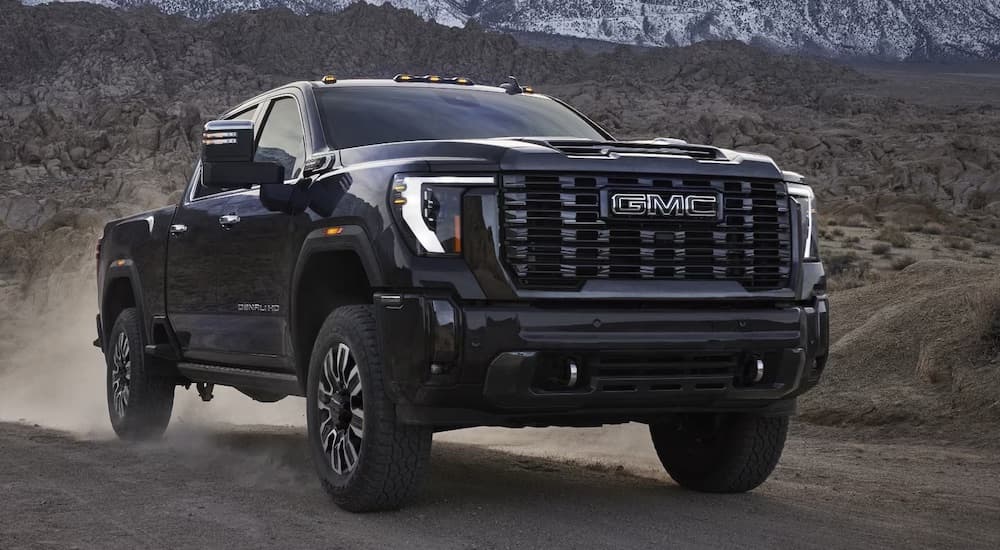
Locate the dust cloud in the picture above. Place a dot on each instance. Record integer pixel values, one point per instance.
(51, 375)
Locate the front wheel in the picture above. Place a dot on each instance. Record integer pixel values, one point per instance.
(720, 453)
(366, 460)
(139, 401)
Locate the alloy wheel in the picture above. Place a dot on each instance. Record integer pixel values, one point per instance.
(341, 408)
(121, 374)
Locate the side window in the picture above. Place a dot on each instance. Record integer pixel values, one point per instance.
(282, 140)
(202, 191)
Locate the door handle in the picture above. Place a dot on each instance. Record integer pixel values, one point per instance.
(229, 220)
(178, 229)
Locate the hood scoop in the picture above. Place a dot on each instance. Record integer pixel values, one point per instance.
(613, 149)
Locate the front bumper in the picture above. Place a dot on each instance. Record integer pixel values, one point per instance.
(470, 364)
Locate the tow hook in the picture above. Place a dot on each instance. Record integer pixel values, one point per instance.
(759, 371)
(205, 391)
(572, 373)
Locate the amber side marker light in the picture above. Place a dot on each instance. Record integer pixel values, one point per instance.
(119, 263)
(333, 231)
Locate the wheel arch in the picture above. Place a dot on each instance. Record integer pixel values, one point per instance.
(121, 291)
(332, 270)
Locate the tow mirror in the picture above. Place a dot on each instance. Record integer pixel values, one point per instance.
(227, 157)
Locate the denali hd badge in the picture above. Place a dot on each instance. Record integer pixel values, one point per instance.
(663, 205)
(258, 308)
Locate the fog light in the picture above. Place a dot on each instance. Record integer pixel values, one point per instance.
(438, 369)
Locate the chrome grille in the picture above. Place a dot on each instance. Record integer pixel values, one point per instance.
(556, 237)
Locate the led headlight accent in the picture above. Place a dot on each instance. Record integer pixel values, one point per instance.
(806, 200)
(431, 207)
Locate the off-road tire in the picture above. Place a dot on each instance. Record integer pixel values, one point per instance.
(150, 399)
(393, 457)
(720, 453)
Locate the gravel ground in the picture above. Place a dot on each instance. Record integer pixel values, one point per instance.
(250, 487)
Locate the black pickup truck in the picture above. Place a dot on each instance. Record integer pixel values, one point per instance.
(422, 253)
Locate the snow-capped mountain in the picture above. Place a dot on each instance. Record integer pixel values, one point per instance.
(897, 29)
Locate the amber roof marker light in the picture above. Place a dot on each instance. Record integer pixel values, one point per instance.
(329, 79)
(434, 79)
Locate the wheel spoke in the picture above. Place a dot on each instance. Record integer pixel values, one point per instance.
(351, 452)
(343, 357)
(329, 372)
(342, 453)
(354, 382)
(324, 407)
(335, 452)
(328, 434)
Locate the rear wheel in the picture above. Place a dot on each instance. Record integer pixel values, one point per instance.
(365, 459)
(720, 453)
(139, 401)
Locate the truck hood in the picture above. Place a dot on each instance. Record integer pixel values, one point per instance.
(534, 154)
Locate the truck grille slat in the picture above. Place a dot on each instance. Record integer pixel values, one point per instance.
(554, 234)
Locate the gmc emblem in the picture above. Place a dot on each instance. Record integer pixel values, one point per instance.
(664, 205)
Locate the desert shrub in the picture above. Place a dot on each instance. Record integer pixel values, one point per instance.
(839, 263)
(852, 240)
(992, 332)
(978, 200)
(983, 253)
(958, 243)
(847, 270)
(932, 228)
(903, 262)
(856, 220)
(984, 313)
(881, 249)
(837, 232)
(894, 236)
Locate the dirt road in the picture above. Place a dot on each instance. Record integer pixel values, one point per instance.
(250, 487)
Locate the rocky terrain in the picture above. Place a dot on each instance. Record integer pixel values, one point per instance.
(100, 110)
(894, 29)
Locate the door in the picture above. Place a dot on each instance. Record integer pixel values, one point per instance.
(229, 271)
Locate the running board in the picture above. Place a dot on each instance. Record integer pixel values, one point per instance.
(274, 382)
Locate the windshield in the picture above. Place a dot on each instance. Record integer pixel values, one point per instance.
(354, 116)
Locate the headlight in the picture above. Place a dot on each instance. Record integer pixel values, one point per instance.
(803, 196)
(431, 207)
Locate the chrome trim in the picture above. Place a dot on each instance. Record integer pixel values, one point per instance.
(228, 125)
